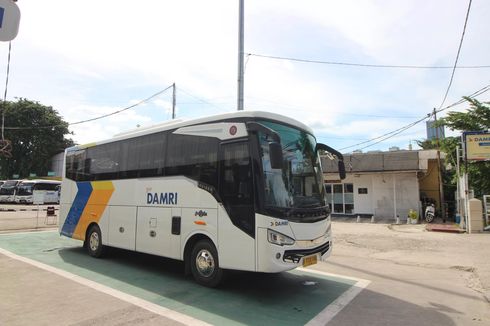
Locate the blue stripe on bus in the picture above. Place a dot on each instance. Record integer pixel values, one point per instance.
(79, 203)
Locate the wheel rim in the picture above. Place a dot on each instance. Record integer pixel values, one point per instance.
(205, 263)
(94, 241)
(429, 218)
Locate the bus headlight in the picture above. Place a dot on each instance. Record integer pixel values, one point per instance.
(279, 238)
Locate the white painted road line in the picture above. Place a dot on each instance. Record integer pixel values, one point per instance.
(171, 314)
(327, 314)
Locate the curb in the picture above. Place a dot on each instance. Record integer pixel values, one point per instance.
(25, 210)
(450, 228)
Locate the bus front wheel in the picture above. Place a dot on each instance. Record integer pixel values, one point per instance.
(205, 264)
(93, 242)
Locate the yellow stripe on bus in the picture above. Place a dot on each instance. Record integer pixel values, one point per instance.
(96, 205)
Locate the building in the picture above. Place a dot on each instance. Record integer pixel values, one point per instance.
(56, 166)
(434, 132)
(382, 184)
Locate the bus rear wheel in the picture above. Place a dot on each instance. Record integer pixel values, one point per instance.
(205, 264)
(93, 242)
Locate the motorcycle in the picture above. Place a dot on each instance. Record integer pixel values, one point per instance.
(430, 212)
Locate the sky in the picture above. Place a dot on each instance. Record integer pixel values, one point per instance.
(90, 58)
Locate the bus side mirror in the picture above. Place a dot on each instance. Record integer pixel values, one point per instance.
(275, 154)
(339, 156)
(341, 170)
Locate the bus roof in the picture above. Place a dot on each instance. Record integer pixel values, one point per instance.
(40, 181)
(179, 123)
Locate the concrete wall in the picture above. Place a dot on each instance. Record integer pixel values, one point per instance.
(395, 194)
(363, 203)
(57, 164)
(382, 190)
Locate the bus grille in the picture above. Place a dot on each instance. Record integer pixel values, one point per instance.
(296, 255)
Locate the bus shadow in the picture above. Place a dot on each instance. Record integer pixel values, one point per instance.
(289, 298)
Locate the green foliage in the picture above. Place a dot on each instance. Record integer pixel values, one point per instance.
(427, 144)
(478, 178)
(476, 118)
(32, 146)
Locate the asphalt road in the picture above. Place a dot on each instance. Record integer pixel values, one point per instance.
(412, 277)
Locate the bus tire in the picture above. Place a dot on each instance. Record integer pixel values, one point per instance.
(93, 242)
(205, 264)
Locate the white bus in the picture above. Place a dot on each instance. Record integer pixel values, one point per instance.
(240, 191)
(7, 191)
(47, 188)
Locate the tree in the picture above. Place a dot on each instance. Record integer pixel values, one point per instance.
(36, 133)
(477, 118)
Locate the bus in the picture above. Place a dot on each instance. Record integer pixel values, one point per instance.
(240, 191)
(24, 193)
(7, 191)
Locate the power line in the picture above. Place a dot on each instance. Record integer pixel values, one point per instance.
(200, 99)
(395, 132)
(472, 95)
(365, 65)
(97, 118)
(457, 55)
(387, 135)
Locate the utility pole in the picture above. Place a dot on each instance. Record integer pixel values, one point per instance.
(240, 56)
(439, 175)
(173, 101)
(466, 185)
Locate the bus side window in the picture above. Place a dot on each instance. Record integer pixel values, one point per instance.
(193, 157)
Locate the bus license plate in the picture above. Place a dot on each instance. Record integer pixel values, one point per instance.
(309, 260)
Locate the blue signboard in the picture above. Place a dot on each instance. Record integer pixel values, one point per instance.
(9, 20)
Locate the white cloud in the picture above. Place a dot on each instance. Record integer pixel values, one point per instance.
(95, 57)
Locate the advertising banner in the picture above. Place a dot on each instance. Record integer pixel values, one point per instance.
(477, 145)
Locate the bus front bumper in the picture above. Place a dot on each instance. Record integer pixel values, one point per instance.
(272, 258)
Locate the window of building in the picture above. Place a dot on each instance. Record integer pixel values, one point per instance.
(348, 198)
(340, 197)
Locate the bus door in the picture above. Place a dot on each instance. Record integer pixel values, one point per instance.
(237, 213)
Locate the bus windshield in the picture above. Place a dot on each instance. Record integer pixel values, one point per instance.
(7, 191)
(25, 189)
(299, 183)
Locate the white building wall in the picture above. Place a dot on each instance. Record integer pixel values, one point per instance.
(383, 203)
(57, 164)
(382, 190)
(363, 203)
(395, 194)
